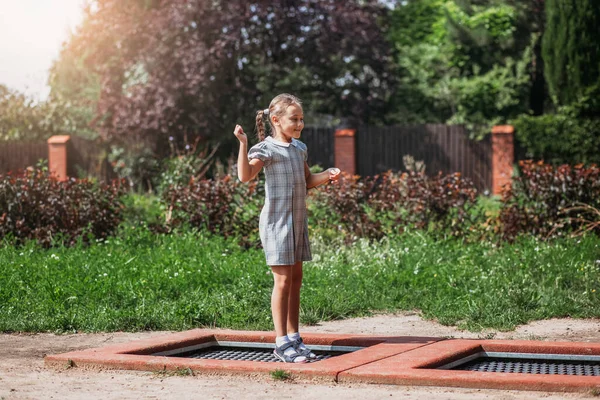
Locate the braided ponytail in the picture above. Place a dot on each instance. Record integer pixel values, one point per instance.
(260, 125)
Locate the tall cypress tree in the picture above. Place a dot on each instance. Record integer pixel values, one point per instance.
(571, 48)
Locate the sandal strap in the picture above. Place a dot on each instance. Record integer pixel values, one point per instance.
(304, 352)
(285, 346)
(307, 353)
(279, 351)
(294, 356)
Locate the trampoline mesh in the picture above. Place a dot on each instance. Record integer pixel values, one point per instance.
(248, 354)
(532, 366)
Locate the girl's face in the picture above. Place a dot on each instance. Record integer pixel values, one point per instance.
(291, 123)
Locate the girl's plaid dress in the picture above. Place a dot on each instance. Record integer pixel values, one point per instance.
(283, 221)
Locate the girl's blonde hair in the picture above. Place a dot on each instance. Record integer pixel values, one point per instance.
(278, 105)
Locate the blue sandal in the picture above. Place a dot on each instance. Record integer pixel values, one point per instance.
(304, 352)
(279, 352)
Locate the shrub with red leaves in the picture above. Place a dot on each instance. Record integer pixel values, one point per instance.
(221, 206)
(546, 201)
(35, 205)
(390, 202)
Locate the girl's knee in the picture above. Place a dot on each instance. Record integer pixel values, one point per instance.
(283, 282)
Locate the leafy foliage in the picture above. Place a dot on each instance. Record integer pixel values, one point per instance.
(137, 164)
(175, 67)
(390, 203)
(34, 205)
(489, 99)
(222, 206)
(187, 165)
(25, 119)
(75, 85)
(541, 201)
(358, 208)
(466, 65)
(560, 138)
(571, 49)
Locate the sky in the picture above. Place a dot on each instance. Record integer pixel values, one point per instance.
(31, 35)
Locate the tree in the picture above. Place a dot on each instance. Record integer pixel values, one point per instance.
(571, 49)
(463, 63)
(530, 25)
(171, 68)
(77, 87)
(24, 119)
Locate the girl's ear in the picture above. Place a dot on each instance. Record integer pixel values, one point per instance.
(274, 119)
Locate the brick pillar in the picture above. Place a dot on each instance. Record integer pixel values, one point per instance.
(503, 155)
(57, 156)
(345, 150)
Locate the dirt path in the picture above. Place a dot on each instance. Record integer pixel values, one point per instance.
(24, 376)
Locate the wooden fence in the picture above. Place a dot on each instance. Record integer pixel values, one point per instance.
(445, 148)
(320, 146)
(20, 155)
(86, 158)
(442, 148)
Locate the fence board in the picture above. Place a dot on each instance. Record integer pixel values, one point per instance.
(20, 155)
(85, 158)
(442, 148)
(88, 158)
(319, 142)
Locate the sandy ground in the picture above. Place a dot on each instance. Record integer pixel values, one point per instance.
(24, 376)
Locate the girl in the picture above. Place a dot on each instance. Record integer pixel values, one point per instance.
(283, 221)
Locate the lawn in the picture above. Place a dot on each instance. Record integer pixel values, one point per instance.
(143, 281)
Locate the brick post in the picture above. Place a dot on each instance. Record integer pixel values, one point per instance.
(57, 156)
(503, 155)
(345, 150)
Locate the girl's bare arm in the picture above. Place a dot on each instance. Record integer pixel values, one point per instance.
(247, 170)
(314, 180)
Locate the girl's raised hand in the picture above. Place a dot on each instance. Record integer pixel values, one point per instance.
(239, 133)
(334, 174)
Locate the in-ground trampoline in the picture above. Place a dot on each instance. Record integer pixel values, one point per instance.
(400, 360)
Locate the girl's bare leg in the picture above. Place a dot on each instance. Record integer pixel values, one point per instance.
(282, 283)
(293, 315)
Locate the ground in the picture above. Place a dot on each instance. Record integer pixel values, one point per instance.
(24, 376)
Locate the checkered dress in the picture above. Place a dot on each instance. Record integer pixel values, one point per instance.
(283, 221)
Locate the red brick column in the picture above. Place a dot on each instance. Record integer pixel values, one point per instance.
(345, 150)
(57, 156)
(503, 155)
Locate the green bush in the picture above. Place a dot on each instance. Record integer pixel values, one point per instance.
(143, 209)
(185, 166)
(567, 137)
(353, 208)
(139, 166)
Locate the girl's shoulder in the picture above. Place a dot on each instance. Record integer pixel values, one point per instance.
(262, 148)
(261, 151)
(299, 144)
(260, 145)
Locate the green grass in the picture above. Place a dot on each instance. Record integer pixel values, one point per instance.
(142, 281)
(281, 375)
